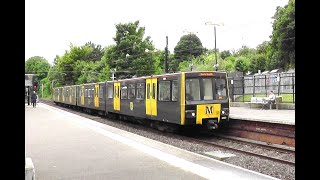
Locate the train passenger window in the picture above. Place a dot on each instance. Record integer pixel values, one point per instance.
(148, 91)
(124, 92)
(110, 91)
(193, 89)
(115, 91)
(131, 91)
(174, 90)
(101, 91)
(140, 91)
(164, 91)
(118, 91)
(207, 89)
(153, 90)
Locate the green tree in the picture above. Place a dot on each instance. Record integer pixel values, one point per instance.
(283, 38)
(245, 51)
(37, 65)
(189, 46)
(225, 54)
(257, 62)
(132, 54)
(96, 53)
(263, 47)
(77, 61)
(242, 64)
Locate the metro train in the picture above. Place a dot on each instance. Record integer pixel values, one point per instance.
(184, 99)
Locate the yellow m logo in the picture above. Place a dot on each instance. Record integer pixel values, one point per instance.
(208, 109)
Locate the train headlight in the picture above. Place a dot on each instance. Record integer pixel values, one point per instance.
(191, 114)
(225, 111)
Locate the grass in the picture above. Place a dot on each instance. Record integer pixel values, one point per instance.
(287, 98)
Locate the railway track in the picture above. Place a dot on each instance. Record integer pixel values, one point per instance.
(277, 154)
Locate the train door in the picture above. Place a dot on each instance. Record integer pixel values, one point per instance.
(116, 95)
(151, 98)
(96, 95)
(82, 95)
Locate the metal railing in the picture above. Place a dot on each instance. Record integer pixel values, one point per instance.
(242, 88)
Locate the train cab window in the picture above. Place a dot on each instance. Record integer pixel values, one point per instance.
(174, 90)
(140, 91)
(207, 89)
(124, 92)
(86, 93)
(164, 91)
(192, 89)
(220, 87)
(131, 91)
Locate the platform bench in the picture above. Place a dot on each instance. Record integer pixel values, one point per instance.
(260, 101)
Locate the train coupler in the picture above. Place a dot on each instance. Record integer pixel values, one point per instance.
(212, 124)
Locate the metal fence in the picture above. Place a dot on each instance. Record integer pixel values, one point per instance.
(242, 88)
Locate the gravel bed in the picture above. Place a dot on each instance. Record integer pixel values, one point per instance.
(268, 167)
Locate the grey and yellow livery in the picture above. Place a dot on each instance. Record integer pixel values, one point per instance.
(185, 99)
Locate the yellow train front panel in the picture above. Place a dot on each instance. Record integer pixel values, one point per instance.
(208, 111)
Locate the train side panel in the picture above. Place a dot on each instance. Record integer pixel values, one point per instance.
(168, 100)
(132, 102)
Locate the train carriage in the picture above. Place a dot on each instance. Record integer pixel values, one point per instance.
(127, 97)
(190, 99)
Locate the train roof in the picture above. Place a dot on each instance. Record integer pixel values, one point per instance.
(145, 77)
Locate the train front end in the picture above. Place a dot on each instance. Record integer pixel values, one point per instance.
(204, 99)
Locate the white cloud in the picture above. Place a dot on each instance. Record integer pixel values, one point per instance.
(52, 25)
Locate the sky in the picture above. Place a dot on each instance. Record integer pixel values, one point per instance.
(51, 26)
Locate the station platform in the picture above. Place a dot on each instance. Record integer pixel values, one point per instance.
(63, 145)
(281, 116)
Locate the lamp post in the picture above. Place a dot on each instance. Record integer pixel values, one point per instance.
(215, 42)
